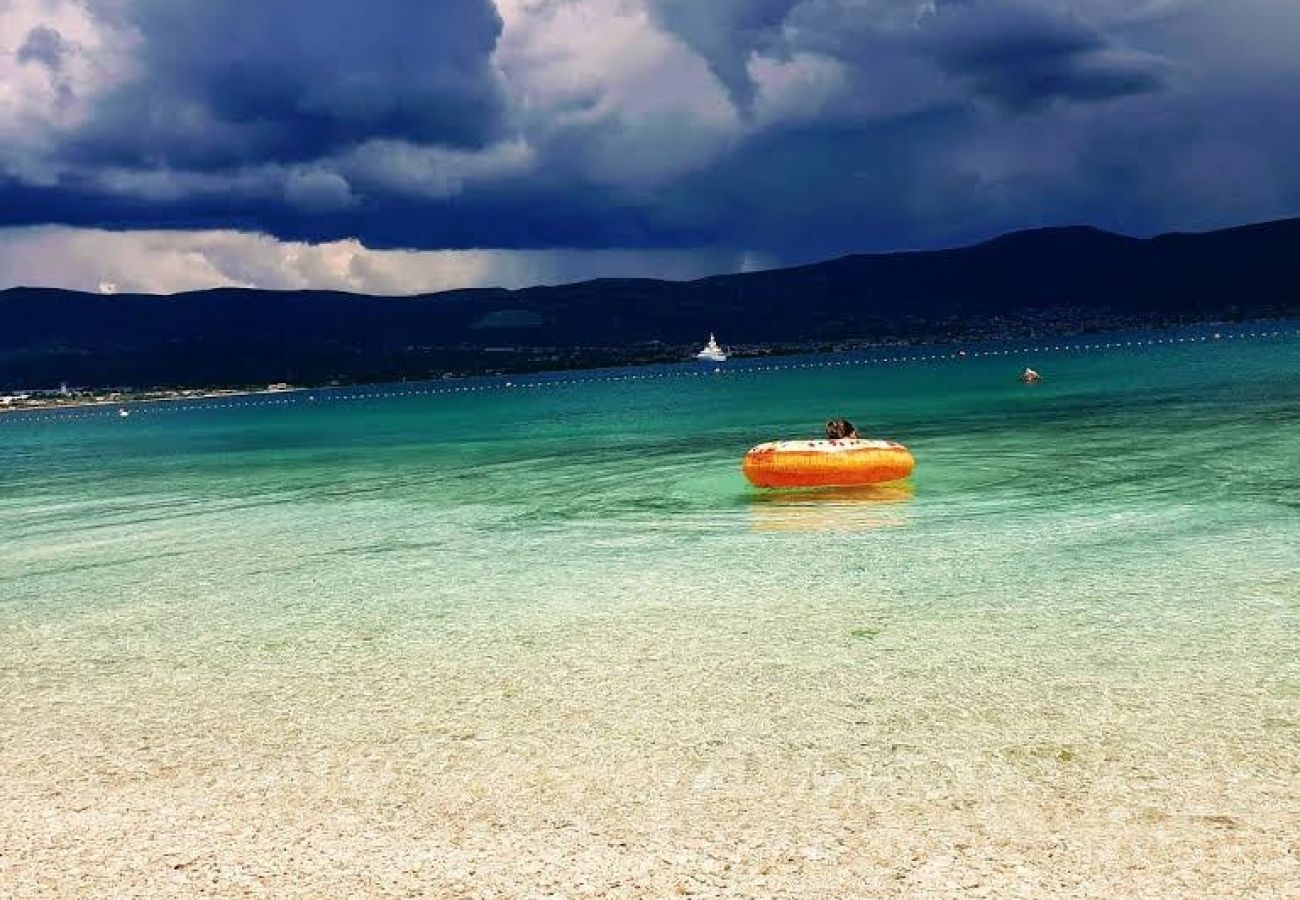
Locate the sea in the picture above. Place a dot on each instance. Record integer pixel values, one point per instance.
(533, 636)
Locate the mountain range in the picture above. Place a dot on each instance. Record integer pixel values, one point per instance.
(1051, 280)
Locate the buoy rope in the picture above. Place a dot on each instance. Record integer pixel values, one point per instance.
(488, 384)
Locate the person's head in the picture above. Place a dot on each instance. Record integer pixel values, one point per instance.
(840, 429)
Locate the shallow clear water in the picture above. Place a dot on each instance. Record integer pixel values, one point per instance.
(558, 600)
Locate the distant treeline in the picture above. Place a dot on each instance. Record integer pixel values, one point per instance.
(1063, 279)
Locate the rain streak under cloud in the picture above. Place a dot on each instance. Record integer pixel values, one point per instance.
(395, 147)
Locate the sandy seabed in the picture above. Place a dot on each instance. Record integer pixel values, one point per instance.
(645, 760)
(374, 652)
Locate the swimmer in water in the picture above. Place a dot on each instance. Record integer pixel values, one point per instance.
(1029, 376)
(841, 430)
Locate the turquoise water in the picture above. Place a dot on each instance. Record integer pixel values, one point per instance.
(430, 607)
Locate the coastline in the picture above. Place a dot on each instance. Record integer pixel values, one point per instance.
(600, 359)
(124, 398)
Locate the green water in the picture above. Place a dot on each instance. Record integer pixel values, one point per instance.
(1087, 598)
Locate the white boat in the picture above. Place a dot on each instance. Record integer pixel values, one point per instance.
(712, 352)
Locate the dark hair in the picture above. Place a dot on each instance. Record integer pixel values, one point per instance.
(838, 429)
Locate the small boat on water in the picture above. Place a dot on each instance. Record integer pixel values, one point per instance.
(712, 352)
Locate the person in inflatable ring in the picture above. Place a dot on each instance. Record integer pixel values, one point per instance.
(841, 430)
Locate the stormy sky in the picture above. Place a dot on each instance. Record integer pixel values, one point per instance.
(394, 146)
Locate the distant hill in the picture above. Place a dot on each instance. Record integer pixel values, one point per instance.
(1058, 279)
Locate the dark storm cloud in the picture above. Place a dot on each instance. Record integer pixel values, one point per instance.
(44, 45)
(246, 81)
(804, 193)
(521, 216)
(794, 128)
(1018, 54)
(725, 33)
(1025, 57)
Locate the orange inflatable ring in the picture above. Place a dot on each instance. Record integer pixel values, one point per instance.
(846, 463)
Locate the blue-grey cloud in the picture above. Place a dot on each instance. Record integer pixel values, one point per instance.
(44, 45)
(792, 128)
(238, 82)
(1025, 57)
(725, 33)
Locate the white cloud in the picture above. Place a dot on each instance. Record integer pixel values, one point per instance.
(605, 92)
(795, 87)
(56, 59)
(432, 171)
(861, 127)
(165, 262)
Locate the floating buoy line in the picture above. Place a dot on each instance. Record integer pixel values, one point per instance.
(501, 383)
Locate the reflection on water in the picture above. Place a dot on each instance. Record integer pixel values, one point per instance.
(840, 509)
